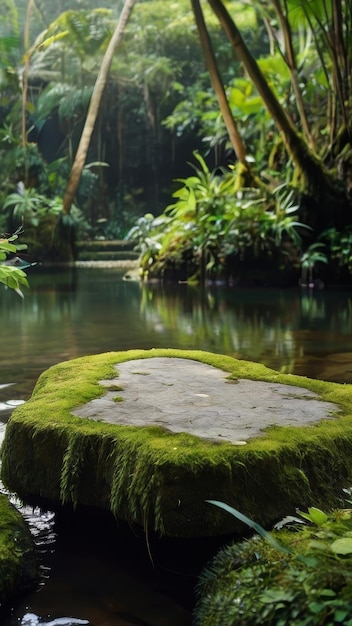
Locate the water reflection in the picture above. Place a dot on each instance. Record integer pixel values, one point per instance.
(86, 311)
(104, 577)
(294, 331)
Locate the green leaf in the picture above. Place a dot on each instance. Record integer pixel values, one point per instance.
(327, 593)
(12, 282)
(340, 615)
(271, 596)
(342, 546)
(316, 607)
(319, 545)
(246, 520)
(201, 161)
(309, 561)
(314, 515)
(7, 247)
(50, 40)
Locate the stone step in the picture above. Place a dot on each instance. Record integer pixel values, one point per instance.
(106, 244)
(103, 250)
(108, 255)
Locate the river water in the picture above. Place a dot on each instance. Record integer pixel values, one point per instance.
(106, 577)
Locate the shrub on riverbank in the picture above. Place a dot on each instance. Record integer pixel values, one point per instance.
(304, 577)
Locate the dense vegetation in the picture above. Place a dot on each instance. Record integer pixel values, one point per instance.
(257, 98)
(300, 576)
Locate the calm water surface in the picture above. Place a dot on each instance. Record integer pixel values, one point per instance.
(77, 312)
(87, 311)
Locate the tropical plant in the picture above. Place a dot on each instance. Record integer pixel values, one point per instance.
(47, 229)
(11, 276)
(301, 575)
(29, 207)
(288, 115)
(339, 244)
(312, 256)
(212, 221)
(144, 232)
(314, 176)
(93, 110)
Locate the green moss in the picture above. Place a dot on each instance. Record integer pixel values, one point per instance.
(162, 479)
(118, 399)
(18, 563)
(307, 583)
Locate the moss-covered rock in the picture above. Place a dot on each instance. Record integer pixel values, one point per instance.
(159, 479)
(305, 581)
(18, 560)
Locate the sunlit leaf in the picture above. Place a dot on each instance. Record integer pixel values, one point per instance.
(342, 546)
(314, 515)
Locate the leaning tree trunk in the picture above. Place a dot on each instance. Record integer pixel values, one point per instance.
(25, 86)
(313, 177)
(94, 105)
(290, 60)
(218, 86)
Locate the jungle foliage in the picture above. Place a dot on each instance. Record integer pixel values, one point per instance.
(11, 276)
(300, 574)
(210, 226)
(131, 160)
(280, 135)
(278, 73)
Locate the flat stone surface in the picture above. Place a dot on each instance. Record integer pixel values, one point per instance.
(182, 395)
